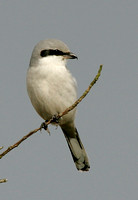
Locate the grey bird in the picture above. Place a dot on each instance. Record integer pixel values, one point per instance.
(52, 89)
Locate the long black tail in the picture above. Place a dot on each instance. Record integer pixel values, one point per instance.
(76, 147)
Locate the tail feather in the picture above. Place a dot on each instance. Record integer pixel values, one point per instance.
(76, 148)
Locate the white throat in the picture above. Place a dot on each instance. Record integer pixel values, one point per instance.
(52, 61)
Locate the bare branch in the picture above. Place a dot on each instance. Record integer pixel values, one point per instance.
(3, 180)
(59, 116)
(84, 94)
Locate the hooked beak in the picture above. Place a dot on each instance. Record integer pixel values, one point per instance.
(70, 55)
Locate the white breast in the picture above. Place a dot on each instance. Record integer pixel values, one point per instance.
(51, 89)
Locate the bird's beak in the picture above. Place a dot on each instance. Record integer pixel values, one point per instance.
(70, 55)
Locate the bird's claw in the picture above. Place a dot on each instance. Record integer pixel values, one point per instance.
(55, 119)
(45, 127)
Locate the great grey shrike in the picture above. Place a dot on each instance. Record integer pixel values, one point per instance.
(52, 89)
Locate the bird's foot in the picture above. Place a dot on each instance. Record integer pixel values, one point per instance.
(45, 127)
(55, 119)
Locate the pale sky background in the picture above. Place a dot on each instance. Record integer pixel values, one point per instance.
(98, 32)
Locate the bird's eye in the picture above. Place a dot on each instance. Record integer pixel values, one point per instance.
(57, 52)
(44, 53)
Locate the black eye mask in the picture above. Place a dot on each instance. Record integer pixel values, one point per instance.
(50, 52)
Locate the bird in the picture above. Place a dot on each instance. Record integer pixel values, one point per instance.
(52, 88)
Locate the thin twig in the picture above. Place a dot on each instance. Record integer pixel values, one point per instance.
(3, 180)
(84, 94)
(19, 142)
(58, 116)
